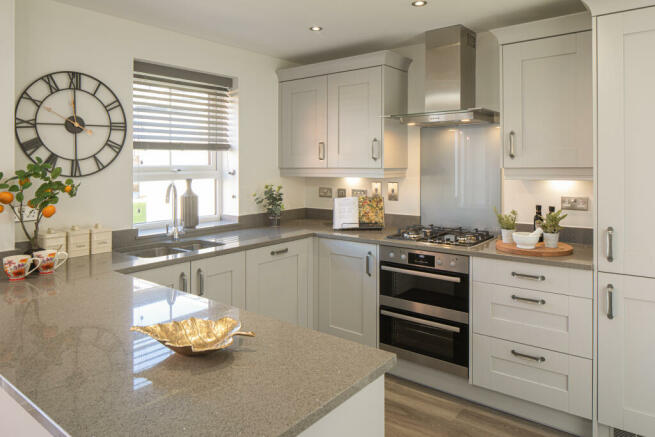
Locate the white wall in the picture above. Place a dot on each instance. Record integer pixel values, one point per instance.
(524, 195)
(409, 187)
(52, 36)
(6, 112)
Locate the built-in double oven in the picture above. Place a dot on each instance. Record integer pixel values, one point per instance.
(424, 307)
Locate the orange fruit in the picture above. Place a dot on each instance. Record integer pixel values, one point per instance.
(68, 189)
(49, 211)
(23, 181)
(2, 208)
(6, 197)
(30, 204)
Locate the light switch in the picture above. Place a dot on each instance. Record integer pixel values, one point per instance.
(575, 203)
(325, 192)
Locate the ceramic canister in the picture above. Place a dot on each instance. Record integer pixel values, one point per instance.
(18, 266)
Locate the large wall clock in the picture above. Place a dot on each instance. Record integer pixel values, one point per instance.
(71, 120)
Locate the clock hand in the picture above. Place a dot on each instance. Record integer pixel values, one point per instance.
(73, 104)
(75, 123)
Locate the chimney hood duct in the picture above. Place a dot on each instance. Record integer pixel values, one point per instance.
(449, 81)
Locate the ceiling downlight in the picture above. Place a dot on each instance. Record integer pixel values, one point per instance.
(419, 3)
(315, 28)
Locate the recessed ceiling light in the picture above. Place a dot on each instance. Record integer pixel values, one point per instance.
(465, 120)
(419, 3)
(316, 28)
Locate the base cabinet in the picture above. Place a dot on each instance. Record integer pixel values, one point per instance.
(221, 278)
(347, 290)
(175, 276)
(626, 353)
(278, 281)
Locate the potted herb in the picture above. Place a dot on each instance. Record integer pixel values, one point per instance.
(13, 194)
(551, 228)
(507, 224)
(271, 200)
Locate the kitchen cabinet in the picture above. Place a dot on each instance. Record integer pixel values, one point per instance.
(626, 353)
(547, 98)
(221, 278)
(278, 279)
(626, 68)
(347, 290)
(332, 120)
(304, 123)
(176, 276)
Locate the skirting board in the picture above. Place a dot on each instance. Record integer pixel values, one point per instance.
(460, 387)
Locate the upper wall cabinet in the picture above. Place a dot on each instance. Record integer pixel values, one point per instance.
(332, 117)
(547, 98)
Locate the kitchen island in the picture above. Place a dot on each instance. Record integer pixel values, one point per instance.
(66, 346)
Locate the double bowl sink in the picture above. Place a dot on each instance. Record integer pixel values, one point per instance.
(170, 248)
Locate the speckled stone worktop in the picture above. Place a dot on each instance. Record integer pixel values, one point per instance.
(582, 257)
(65, 344)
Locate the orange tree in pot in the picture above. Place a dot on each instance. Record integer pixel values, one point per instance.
(14, 194)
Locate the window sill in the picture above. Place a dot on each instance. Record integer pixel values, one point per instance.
(202, 228)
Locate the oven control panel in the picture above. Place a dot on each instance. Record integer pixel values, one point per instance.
(421, 258)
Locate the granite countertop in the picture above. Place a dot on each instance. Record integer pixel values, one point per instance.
(238, 240)
(66, 345)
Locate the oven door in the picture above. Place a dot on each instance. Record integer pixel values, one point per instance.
(430, 292)
(437, 343)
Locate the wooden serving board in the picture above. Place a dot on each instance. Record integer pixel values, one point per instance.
(539, 250)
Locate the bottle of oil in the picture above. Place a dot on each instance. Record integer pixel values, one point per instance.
(538, 218)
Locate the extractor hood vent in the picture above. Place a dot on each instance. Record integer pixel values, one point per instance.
(449, 81)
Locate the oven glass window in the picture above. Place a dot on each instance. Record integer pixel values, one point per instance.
(451, 292)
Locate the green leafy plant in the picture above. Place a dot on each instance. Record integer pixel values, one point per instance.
(507, 221)
(551, 225)
(14, 193)
(271, 200)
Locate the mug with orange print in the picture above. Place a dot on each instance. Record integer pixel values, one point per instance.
(50, 260)
(18, 266)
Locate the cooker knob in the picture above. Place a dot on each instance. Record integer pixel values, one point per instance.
(453, 263)
(403, 256)
(391, 254)
(439, 262)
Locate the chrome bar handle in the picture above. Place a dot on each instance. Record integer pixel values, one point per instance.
(374, 154)
(368, 263)
(321, 151)
(423, 322)
(512, 144)
(201, 283)
(610, 301)
(455, 279)
(529, 357)
(610, 252)
(279, 252)
(183, 281)
(530, 277)
(529, 300)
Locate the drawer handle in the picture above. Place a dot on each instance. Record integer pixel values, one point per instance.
(609, 252)
(610, 301)
(368, 263)
(527, 299)
(279, 252)
(530, 277)
(512, 145)
(423, 322)
(529, 357)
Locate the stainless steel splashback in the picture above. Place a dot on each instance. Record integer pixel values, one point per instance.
(460, 176)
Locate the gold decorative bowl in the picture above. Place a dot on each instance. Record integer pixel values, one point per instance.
(195, 336)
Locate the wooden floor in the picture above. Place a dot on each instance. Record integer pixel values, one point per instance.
(412, 410)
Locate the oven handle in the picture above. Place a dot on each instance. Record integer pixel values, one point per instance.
(418, 321)
(422, 274)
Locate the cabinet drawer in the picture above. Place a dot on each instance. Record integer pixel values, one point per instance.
(548, 320)
(552, 379)
(561, 280)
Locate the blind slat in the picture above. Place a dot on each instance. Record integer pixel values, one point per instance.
(147, 145)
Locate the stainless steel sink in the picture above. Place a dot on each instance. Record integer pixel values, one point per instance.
(154, 252)
(171, 248)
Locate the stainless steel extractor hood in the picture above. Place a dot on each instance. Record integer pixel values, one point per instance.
(449, 81)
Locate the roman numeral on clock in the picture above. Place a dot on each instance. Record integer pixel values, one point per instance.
(75, 168)
(114, 146)
(74, 80)
(99, 163)
(32, 145)
(32, 99)
(52, 160)
(51, 82)
(112, 105)
(117, 126)
(21, 124)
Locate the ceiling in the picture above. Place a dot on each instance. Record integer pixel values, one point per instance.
(280, 27)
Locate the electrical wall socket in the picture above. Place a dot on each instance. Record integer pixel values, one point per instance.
(341, 192)
(575, 203)
(325, 192)
(358, 193)
(29, 214)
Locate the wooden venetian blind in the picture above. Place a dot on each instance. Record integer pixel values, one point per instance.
(176, 109)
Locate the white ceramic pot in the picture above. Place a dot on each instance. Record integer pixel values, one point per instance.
(525, 240)
(551, 240)
(507, 235)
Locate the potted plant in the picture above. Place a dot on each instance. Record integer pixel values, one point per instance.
(551, 228)
(271, 200)
(13, 194)
(507, 224)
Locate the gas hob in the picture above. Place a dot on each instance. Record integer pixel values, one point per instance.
(442, 236)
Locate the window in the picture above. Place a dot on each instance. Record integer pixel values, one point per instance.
(183, 122)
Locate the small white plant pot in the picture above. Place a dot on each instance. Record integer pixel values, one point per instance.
(507, 235)
(551, 240)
